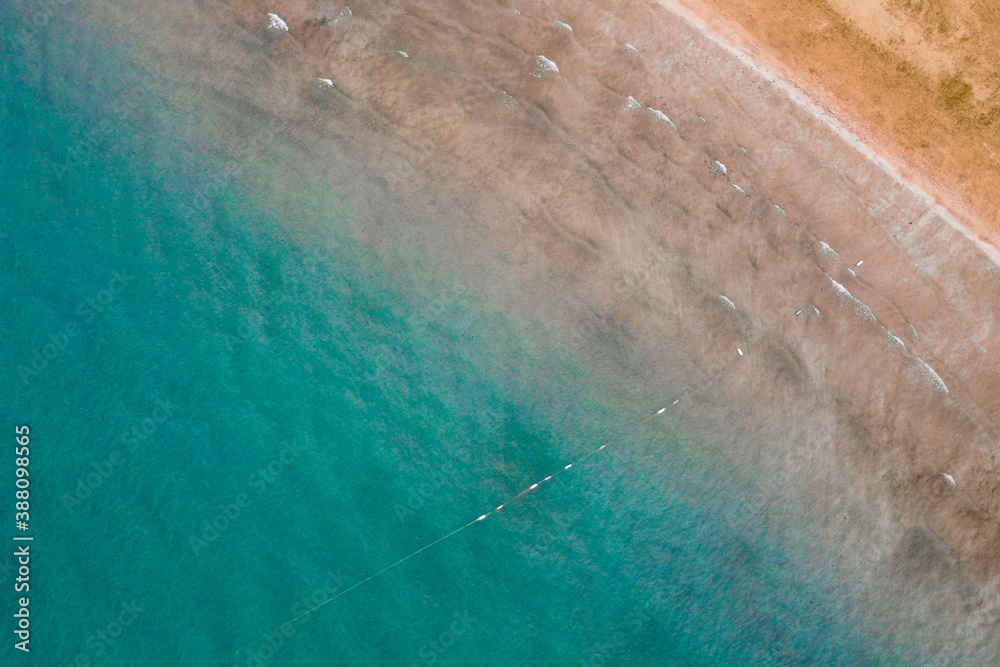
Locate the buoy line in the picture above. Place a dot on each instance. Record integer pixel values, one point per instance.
(458, 530)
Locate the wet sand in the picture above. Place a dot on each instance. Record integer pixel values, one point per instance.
(854, 355)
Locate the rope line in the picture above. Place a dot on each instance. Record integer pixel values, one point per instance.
(468, 525)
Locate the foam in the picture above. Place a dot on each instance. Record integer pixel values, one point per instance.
(894, 340)
(275, 23)
(341, 17)
(860, 307)
(662, 117)
(544, 66)
(933, 379)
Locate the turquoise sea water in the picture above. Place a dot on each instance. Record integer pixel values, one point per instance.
(233, 421)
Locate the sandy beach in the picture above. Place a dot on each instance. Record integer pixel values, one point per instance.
(614, 175)
(913, 79)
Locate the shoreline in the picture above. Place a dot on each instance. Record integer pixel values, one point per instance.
(778, 75)
(826, 106)
(622, 226)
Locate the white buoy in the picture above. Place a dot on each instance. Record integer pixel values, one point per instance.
(445, 537)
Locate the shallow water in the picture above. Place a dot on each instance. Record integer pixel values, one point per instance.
(261, 405)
